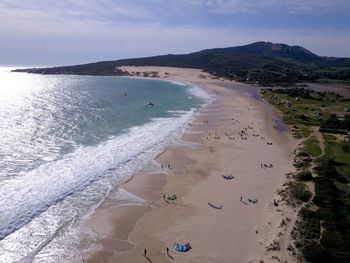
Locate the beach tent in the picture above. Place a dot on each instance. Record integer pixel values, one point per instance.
(182, 248)
(171, 197)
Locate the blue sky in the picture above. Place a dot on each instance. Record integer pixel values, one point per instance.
(47, 32)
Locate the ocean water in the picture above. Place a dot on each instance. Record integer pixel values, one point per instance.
(66, 142)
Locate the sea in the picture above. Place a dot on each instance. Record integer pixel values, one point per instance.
(66, 142)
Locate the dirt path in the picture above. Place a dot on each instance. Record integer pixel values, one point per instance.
(319, 137)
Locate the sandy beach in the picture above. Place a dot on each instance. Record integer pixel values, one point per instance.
(232, 219)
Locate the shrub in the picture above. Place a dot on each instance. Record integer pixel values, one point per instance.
(309, 225)
(312, 146)
(314, 252)
(346, 147)
(329, 137)
(304, 176)
(327, 168)
(300, 192)
(303, 153)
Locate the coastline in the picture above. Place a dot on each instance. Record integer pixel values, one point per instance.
(240, 231)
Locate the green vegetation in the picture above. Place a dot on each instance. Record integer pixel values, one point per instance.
(312, 146)
(335, 125)
(333, 211)
(300, 132)
(304, 176)
(303, 107)
(329, 137)
(305, 132)
(339, 152)
(261, 63)
(322, 232)
(300, 191)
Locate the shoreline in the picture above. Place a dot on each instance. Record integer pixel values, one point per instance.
(215, 235)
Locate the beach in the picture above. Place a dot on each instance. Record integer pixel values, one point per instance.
(225, 172)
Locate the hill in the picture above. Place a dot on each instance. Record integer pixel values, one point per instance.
(263, 63)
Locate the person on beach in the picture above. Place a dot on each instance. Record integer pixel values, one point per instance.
(240, 199)
(169, 166)
(168, 254)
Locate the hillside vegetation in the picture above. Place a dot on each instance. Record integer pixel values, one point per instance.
(262, 63)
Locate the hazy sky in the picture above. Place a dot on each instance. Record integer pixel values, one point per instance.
(62, 32)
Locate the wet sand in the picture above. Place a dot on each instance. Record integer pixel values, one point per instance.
(235, 135)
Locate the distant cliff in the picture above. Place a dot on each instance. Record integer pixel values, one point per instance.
(262, 63)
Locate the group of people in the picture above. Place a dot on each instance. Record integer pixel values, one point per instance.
(254, 200)
(264, 165)
(244, 136)
(177, 247)
(243, 133)
(162, 166)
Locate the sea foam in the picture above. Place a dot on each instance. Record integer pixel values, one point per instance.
(38, 208)
(27, 196)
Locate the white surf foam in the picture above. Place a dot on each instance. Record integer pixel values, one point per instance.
(27, 196)
(201, 93)
(54, 194)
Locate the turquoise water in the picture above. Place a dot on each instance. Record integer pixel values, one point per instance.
(66, 141)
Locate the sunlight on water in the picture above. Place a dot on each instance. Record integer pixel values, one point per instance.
(65, 142)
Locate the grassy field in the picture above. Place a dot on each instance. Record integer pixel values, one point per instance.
(340, 153)
(305, 132)
(312, 146)
(308, 111)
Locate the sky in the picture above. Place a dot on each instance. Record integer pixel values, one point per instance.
(69, 32)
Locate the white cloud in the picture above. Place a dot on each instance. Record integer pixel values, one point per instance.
(82, 9)
(312, 6)
(87, 41)
(151, 9)
(256, 6)
(69, 32)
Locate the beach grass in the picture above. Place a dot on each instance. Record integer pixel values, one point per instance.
(339, 151)
(312, 146)
(305, 175)
(305, 132)
(329, 137)
(300, 191)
